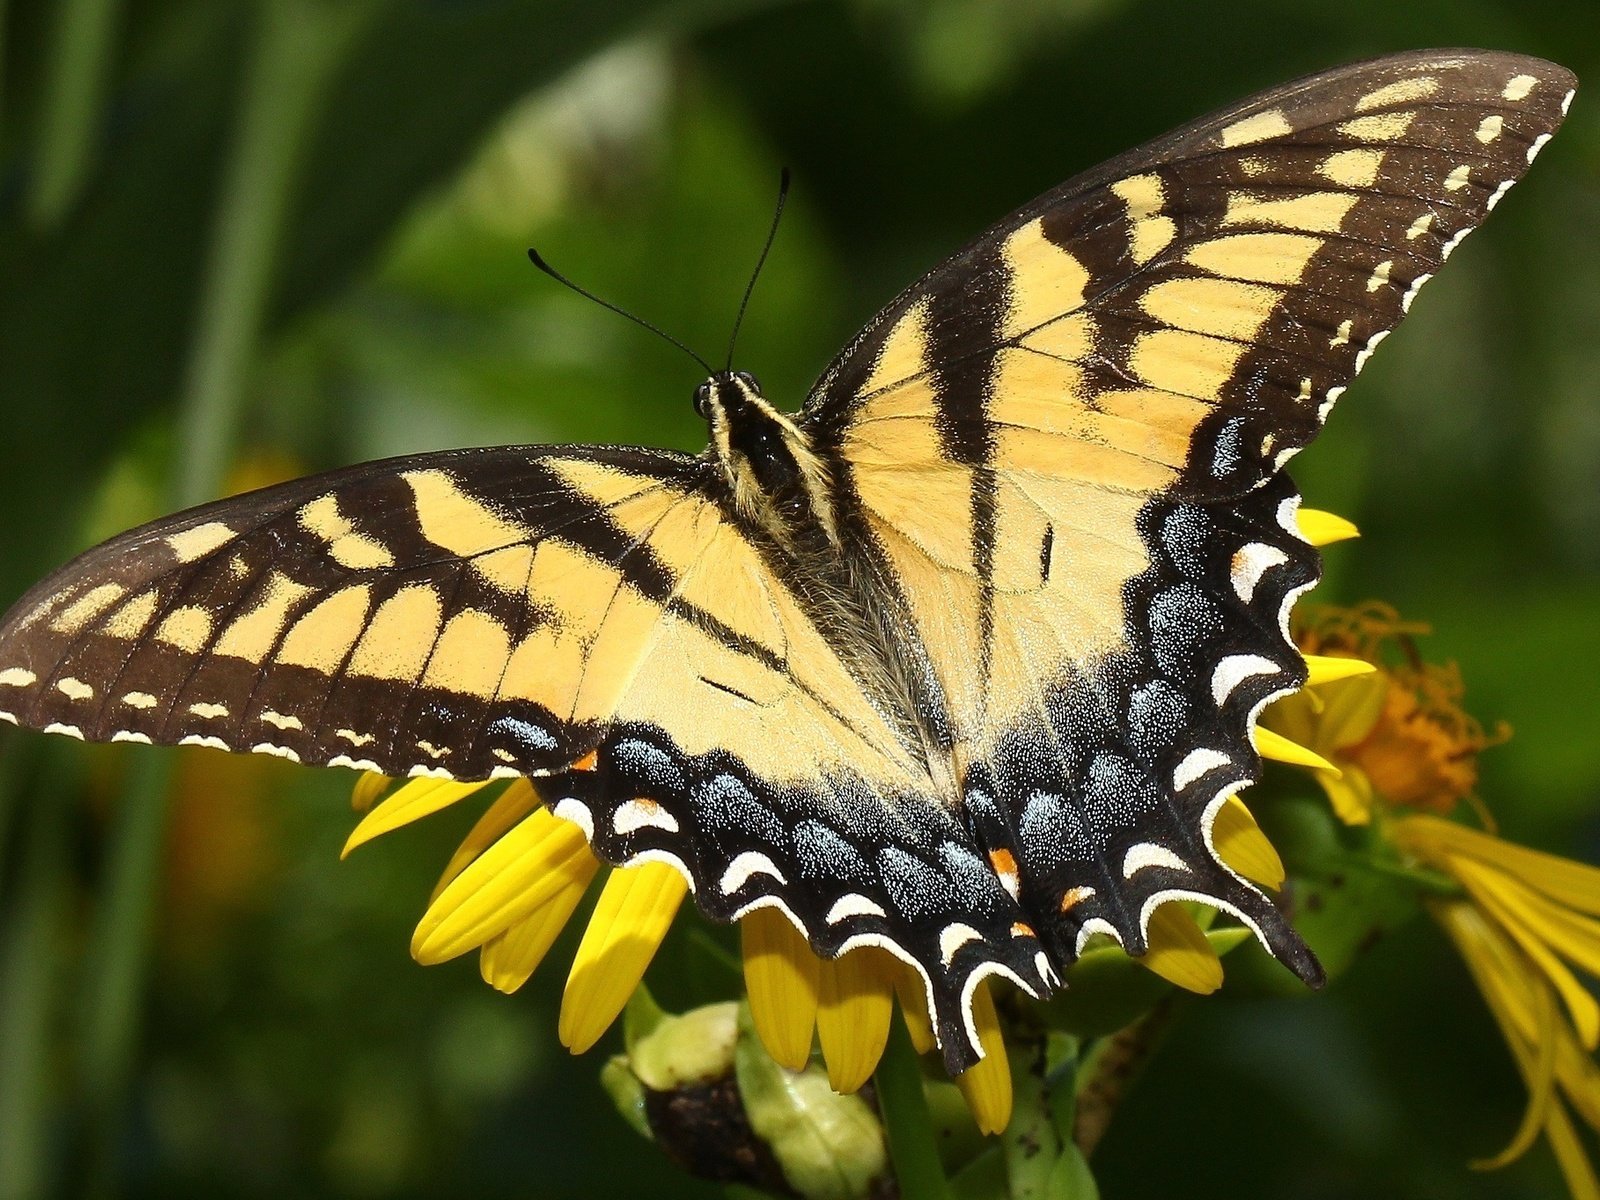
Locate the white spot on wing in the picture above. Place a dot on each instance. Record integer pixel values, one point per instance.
(358, 764)
(354, 738)
(1328, 402)
(17, 677)
(74, 689)
(421, 772)
(1419, 227)
(280, 721)
(195, 739)
(1250, 563)
(1195, 764)
(1458, 178)
(1411, 292)
(1518, 87)
(128, 735)
(1489, 128)
(1380, 275)
(1366, 351)
(72, 731)
(1494, 197)
(1234, 670)
(853, 904)
(1538, 145)
(205, 709)
(633, 815)
(139, 700)
(278, 751)
(1146, 855)
(954, 936)
(1287, 519)
(751, 862)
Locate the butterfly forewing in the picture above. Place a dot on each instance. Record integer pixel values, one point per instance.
(1065, 446)
(588, 616)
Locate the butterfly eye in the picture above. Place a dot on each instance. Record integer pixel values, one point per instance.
(702, 400)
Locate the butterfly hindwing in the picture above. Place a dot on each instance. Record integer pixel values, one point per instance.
(1065, 448)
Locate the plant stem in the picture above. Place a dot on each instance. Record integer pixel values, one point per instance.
(297, 46)
(1108, 1071)
(70, 117)
(1030, 1142)
(29, 979)
(904, 1106)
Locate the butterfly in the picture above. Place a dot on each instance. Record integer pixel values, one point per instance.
(962, 659)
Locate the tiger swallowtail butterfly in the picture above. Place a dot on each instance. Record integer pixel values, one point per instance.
(962, 659)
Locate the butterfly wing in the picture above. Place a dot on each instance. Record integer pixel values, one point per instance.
(588, 615)
(1064, 447)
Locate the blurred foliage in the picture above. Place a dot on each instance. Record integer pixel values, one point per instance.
(286, 1044)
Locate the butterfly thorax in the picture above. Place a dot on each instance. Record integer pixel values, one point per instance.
(776, 480)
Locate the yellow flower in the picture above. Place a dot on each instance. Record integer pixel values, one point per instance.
(1396, 730)
(1525, 919)
(1398, 738)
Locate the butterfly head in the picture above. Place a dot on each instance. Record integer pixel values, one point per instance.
(775, 477)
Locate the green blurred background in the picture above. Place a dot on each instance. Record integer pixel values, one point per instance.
(245, 240)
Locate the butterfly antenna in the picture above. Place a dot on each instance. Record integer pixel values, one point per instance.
(783, 194)
(538, 260)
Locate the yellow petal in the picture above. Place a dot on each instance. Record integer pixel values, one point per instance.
(1502, 898)
(1323, 528)
(1322, 668)
(1580, 1080)
(1571, 1155)
(1505, 978)
(417, 799)
(509, 958)
(855, 1001)
(368, 787)
(780, 974)
(913, 996)
(1521, 1005)
(1179, 951)
(1242, 846)
(518, 874)
(987, 1085)
(1574, 884)
(509, 807)
(1537, 1065)
(1349, 795)
(1351, 708)
(1280, 749)
(633, 914)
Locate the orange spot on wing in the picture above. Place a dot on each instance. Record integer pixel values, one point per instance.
(588, 762)
(1003, 862)
(1072, 897)
(1019, 929)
